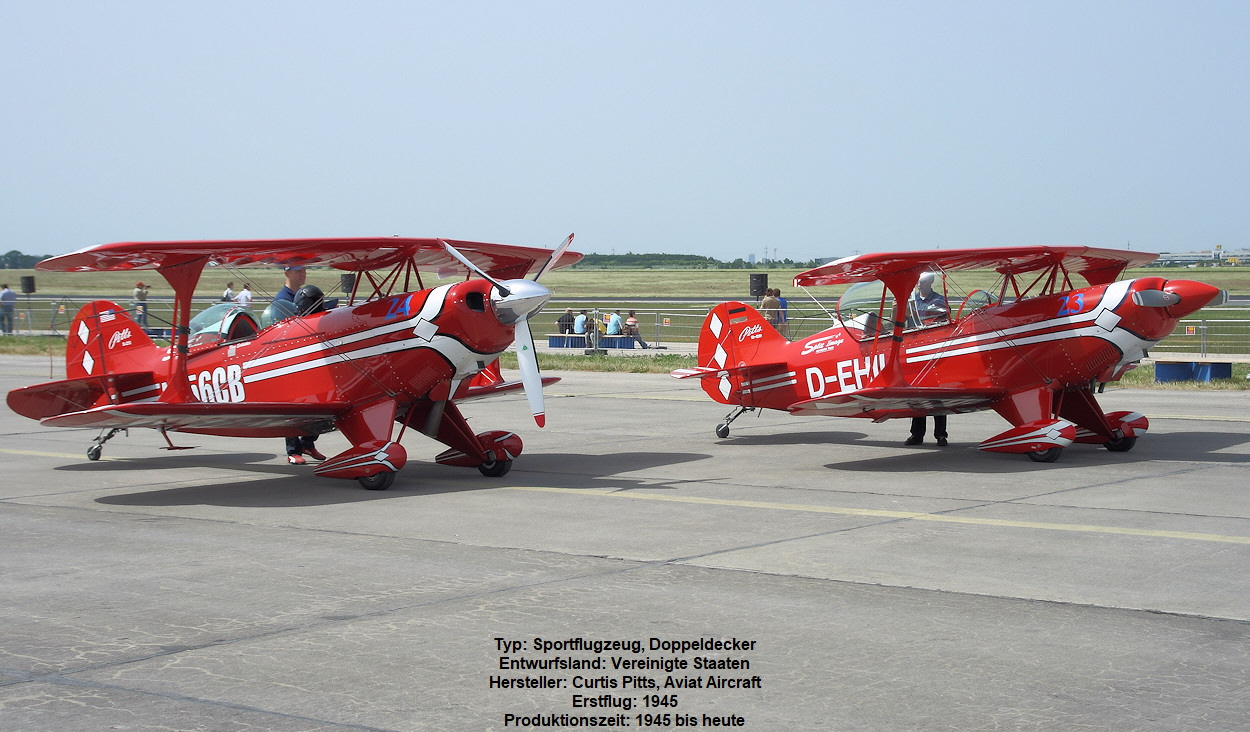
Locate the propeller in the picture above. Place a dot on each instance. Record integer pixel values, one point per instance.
(517, 300)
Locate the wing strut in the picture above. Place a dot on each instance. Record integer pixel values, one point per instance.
(182, 277)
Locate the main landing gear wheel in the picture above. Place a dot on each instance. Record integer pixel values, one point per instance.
(1120, 444)
(93, 452)
(495, 468)
(722, 430)
(377, 481)
(1049, 455)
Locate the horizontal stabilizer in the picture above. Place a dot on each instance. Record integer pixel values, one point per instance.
(741, 370)
(898, 401)
(74, 395)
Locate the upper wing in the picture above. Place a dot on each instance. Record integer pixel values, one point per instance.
(354, 254)
(899, 401)
(1097, 266)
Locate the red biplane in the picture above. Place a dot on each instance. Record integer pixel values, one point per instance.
(392, 354)
(1035, 349)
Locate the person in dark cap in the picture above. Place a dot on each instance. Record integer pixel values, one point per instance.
(296, 276)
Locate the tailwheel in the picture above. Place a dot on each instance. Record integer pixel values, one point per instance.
(1049, 455)
(722, 429)
(495, 468)
(1120, 444)
(97, 447)
(378, 481)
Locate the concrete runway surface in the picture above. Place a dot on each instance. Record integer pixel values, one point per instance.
(804, 573)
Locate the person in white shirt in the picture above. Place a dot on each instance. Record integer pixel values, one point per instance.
(228, 295)
(244, 297)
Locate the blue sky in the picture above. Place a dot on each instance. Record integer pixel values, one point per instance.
(779, 129)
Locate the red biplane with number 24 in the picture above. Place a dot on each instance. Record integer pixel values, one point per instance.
(1035, 349)
(393, 354)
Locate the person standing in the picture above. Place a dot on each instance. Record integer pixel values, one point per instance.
(228, 295)
(244, 297)
(783, 314)
(770, 306)
(297, 447)
(8, 301)
(140, 301)
(929, 305)
(632, 329)
(918, 429)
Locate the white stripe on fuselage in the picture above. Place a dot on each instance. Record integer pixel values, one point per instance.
(455, 351)
(1100, 322)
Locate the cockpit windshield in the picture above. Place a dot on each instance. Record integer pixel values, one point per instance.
(867, 307)
(221, 323)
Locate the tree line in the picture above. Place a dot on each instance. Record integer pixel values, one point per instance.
(682, 261)
(17, 260)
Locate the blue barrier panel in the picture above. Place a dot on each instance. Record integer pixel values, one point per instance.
(1192, 371)
(1182, 371)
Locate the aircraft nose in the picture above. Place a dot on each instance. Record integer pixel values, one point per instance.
(1193, 296)
(524, 298)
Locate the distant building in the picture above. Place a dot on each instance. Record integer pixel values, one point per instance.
(1211, 257)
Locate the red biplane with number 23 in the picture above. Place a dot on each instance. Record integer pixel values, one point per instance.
(1035, 349)
(393, 354)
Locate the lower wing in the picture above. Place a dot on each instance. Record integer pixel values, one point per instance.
(899, 401)
(200, 416)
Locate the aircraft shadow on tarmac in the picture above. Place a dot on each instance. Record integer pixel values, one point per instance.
(291, 488)
(963, 457)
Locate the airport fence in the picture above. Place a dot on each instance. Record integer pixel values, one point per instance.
(1219, 331)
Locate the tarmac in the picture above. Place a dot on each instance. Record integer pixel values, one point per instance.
(802, 574)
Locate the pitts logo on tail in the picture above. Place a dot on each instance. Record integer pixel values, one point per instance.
(903, 344)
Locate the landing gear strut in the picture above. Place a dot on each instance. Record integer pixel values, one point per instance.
(97, 447)
(722, 429)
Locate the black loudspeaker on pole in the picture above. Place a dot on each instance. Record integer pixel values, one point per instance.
(759, 283)
(28, 284)
(347, 282)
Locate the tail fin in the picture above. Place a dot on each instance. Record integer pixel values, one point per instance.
(103, 339)
(742, 347)
(736, 333)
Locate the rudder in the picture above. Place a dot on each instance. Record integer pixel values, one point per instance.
(735, 337)
(103, 339)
